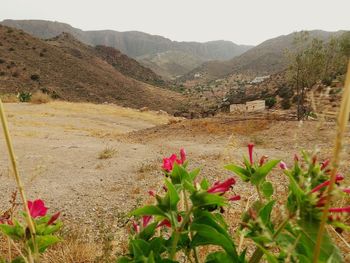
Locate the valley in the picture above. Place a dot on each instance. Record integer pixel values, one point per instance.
(58, 146)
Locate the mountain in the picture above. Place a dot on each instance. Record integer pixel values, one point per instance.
(267, 58)
(71, 70)
(157, 52)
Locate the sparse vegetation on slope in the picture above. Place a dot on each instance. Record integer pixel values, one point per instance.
(70, 70)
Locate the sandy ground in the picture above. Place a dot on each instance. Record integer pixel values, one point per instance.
(58, 146)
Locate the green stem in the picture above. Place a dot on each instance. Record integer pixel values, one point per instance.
(259, 194)
(258, 253)
(177, 232)
(195, 253)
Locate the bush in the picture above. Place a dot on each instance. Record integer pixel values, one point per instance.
(24, 96)
(270, 102)
(2, 61)
(35, 77)
(285, 92)
(285, 103)
(39, 98)
(187, 214)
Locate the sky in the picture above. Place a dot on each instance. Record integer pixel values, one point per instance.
(241, 21)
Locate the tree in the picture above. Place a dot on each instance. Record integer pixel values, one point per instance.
(313, 60)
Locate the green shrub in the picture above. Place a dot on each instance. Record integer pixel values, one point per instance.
(285, 92)
(285, 103)
(270, 102)
(35, 77)
(24, 96)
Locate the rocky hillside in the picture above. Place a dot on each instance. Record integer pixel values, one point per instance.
(73, 71)
(141, 46)
(267, 58)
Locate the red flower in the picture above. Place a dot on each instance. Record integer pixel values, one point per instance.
(296, 158)
(152, 193)
(326, 183)
(250, 150)
(37, 208)
(234, 198)
(145, 223)
(53, 218)
(340, 209)
(325, 164)
(222, 187)
(167, 223)
(183, 155)
(146, 220)
(168, 163)
(263, 160)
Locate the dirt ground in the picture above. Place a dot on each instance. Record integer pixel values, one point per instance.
(58, 147)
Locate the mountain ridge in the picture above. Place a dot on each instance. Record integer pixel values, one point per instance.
(135, 44)
(70, 70)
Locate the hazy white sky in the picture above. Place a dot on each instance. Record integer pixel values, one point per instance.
(241, 21)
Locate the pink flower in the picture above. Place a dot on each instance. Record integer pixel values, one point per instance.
(250, 150)
(263, 160)
(53, 218)
(222, 187)
(283, 165)
(37, 208)
(326, 183)
(168, 163)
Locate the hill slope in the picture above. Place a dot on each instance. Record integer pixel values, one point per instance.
(72, 71)
(139, 45)
(266, 58)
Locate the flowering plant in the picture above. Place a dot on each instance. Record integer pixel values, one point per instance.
(189, 214)
(30, 245)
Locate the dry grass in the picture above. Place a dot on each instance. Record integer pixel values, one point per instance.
(9, 98)
(107, 153)
(40, 98)
(74, 249)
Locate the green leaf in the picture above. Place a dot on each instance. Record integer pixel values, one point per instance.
(265, 213)
(173, 195)
(149, 210)
(205, 184)
(207, 235)
(240, 171)
(267, 189)
(43, 242)
(218, 257)
(140, 248)
(201, 199)
(193, 174)
(148, 231)
(189, 186)
(15, 231)
(262, 171)
(307, 241)
(271, 258)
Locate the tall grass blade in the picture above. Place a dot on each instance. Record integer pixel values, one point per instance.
(342, 122)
